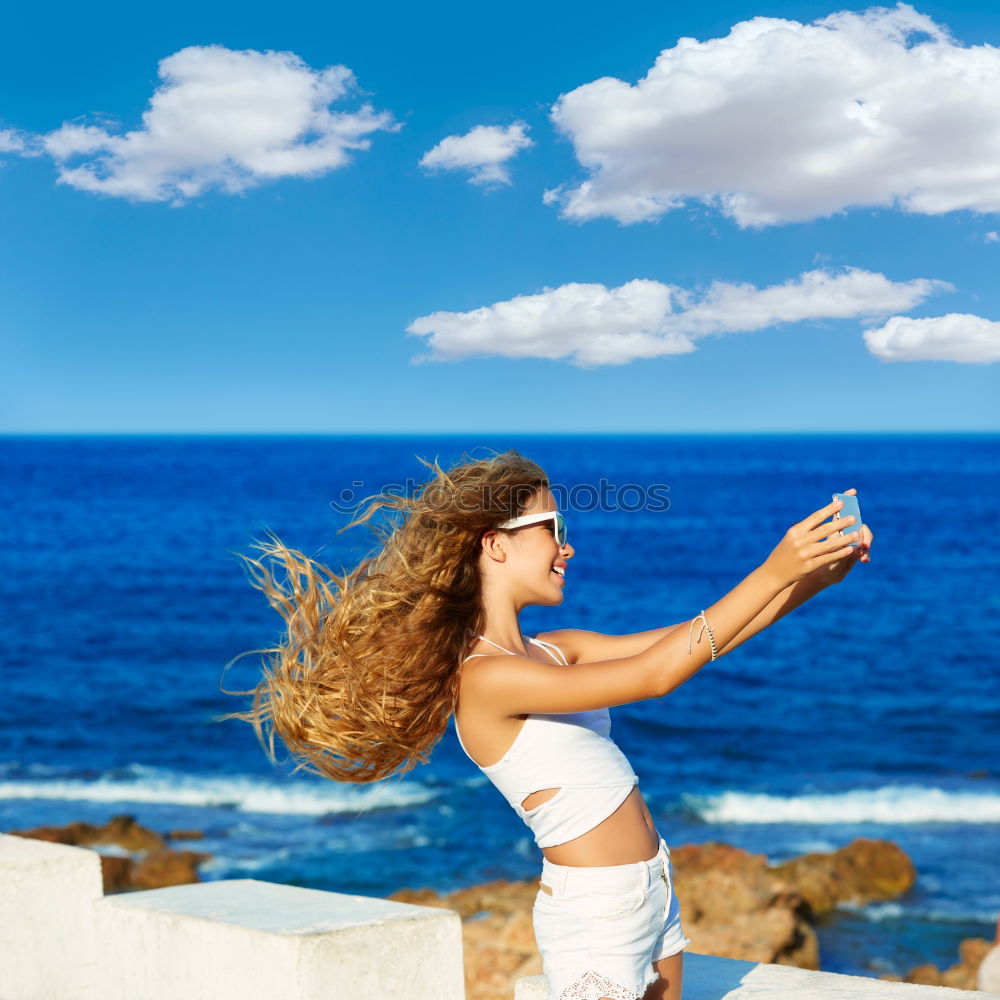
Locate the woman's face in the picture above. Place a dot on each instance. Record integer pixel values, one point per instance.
(537, 561)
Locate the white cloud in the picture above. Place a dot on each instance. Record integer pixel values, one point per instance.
(781, 121)
(954, 337)
(588, 323)
(729, 308)
(992, 237)
(221, 119)
(14, 141)
(591, 325)
(483, 151)
(10, 141)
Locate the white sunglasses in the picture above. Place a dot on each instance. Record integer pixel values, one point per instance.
(558, 523)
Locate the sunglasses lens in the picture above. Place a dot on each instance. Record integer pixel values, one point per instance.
(560, 529)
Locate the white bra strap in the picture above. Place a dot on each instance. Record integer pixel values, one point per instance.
(549, 647)
(498, 646)
(492, 643)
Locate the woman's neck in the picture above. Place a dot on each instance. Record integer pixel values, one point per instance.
(504, 630)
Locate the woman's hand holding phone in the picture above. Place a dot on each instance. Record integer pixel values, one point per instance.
(815, 545)
(860, 536)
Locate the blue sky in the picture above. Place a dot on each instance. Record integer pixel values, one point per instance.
(714, 245)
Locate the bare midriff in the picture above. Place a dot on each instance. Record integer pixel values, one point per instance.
(626, 836)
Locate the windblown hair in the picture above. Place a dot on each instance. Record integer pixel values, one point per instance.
(365, 678)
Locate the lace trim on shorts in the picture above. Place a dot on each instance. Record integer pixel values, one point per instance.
(594, 986)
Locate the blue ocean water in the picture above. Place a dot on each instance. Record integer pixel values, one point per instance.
(872, 711)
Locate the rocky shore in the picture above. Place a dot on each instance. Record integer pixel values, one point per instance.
(733, 903)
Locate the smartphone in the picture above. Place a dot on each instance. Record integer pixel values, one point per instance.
(850, 509)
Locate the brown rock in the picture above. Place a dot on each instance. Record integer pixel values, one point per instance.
(518, 934)
(862, 872)
(775, 936)
(125, 832)
(802, 949)
(733, 905)
(482, 931)
(972, 951)
(713, 856)
(162, 868)
(420, 897)
(958, 977)
(120, 830)
(924, 975)
(708, 896)
(116, 873)
(531, 966)
(963, 975)
(74, 834)
(185, 835)
(494, 897)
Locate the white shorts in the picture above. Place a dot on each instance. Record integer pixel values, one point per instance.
(602, 928)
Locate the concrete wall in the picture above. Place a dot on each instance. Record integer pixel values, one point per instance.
(62, 939)
(47, 896)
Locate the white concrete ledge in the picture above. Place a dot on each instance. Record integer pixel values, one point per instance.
(62, 939)
(709, 978)
(47, 894)
(248, 939)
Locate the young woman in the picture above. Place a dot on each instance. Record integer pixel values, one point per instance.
(375, 663)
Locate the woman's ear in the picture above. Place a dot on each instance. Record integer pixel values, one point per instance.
(494, 546)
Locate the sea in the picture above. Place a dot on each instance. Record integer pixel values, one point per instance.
(871, 711)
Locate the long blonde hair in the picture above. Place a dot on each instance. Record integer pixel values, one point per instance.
(363, 681)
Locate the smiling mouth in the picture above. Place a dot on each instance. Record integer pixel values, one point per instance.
(560, 572)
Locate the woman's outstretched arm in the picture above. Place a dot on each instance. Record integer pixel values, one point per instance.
(581, 646)
(515, 685)
(788, 600)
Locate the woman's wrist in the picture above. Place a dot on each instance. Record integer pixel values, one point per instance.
(769, 581)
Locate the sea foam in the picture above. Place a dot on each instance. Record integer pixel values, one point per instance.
(892, 805)
(246, 793)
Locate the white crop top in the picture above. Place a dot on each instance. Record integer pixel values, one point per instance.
(572, 752)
